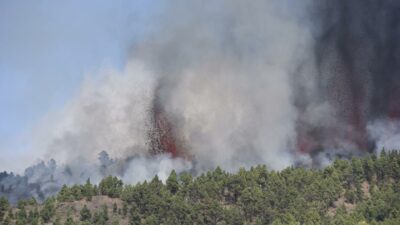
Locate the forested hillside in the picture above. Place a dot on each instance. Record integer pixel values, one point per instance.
(359, 191)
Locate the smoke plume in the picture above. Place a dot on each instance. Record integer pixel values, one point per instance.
(231, 83)
(356, 55)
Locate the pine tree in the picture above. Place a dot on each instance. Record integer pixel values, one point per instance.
(172, 182)
(4, 206)
(124, 209)
(85, 214)
(65, 194)
(21, 216)
(104, 213)
(111, 186)
(88, 190)
(69, 221)
(115, 208)
(134, 217)
(48, 211)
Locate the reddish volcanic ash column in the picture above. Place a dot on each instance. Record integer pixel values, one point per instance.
(163, 135)
(357, 53)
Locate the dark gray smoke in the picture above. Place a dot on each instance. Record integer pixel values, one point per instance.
(232, 83)
(357, 42)
(357, 62)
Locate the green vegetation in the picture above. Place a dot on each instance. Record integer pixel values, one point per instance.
(357, 191)
(4, 205)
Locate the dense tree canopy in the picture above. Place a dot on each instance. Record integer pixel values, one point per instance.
(357, 191)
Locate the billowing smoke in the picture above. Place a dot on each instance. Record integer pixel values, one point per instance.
(231, 83)
(356, 54)
(224, 85)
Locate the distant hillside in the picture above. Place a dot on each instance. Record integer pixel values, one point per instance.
(359, 191)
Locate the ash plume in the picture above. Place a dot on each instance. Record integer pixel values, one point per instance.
(231, 83)
(356, 54)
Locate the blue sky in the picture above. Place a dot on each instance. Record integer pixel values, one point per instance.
(46, 47)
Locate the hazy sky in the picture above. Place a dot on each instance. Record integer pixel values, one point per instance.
(46, 47)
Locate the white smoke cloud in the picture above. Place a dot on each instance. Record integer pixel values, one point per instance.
(108, 113)
(224, 74)
(386, 134)
(144, 168)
